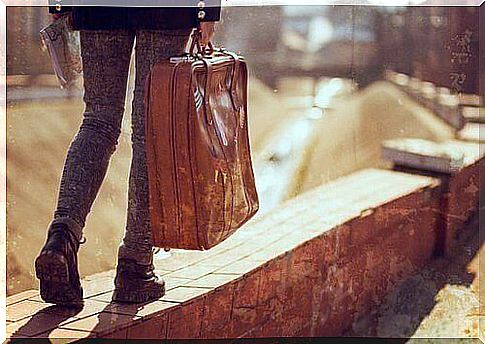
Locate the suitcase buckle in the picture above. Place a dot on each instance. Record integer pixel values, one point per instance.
(176, 59)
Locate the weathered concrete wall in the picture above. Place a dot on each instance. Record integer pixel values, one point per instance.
(311, 268)
(462, 200)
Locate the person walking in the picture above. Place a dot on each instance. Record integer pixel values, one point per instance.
(107, 36)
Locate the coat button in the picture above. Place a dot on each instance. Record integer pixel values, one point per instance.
(201, 15)
(201, 4)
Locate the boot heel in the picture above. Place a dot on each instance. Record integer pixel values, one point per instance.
(136, 283)
(143, 295)
(52, 266)
(56, 267)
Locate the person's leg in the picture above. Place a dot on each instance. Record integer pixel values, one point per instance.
(106, 58)
(135, 279)
(151, 47)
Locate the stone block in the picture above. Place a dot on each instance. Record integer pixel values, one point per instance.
(153, 328)
(216, 321)
(185, 322)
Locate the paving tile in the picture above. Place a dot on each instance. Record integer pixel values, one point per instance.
(91, 307)
(293, 240)
(213, 280)
(102, 323)
(240, 267)
(100, 275)
(39, 322)
(161, 272)
(248, 249)
(51, 316)
(11, 330)
(36, 298)
(233, 254)
(104, 297)
(94, 287)
(170, 283)
(21, 296)
(193, 272)
(64, 335)
(24, 309)
(220, 260)
(183, 294)
(268, 253)
(170, 264)
(226, 245)
(174, 282)
(179, 260)
(140, 310)
(191, 256)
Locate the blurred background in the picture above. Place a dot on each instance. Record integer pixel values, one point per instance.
(320, 106)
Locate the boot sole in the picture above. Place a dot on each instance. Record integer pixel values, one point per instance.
(52, 269)
(139, 295)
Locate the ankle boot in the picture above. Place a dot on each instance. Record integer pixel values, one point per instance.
(137, 283)
(57, 269)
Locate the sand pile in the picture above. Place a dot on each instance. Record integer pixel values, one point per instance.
(311, 147)
(348, 137)
(265, 113)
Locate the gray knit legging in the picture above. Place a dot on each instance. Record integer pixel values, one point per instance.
(106, 59)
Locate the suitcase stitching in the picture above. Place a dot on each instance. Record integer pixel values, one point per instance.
(237, 62)
(192, 167)
(173, 146)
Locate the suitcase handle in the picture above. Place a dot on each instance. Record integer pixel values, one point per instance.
(194, 43)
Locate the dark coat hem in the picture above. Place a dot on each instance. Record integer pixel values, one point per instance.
(135, 18)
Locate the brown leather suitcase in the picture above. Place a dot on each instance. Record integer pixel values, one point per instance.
(201, 182)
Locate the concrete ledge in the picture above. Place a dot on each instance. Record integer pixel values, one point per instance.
(308, 269)
(460, 191)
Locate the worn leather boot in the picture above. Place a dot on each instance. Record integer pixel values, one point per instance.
(57, 269)
(136, 283)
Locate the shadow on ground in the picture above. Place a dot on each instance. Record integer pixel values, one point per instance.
(46, 322)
